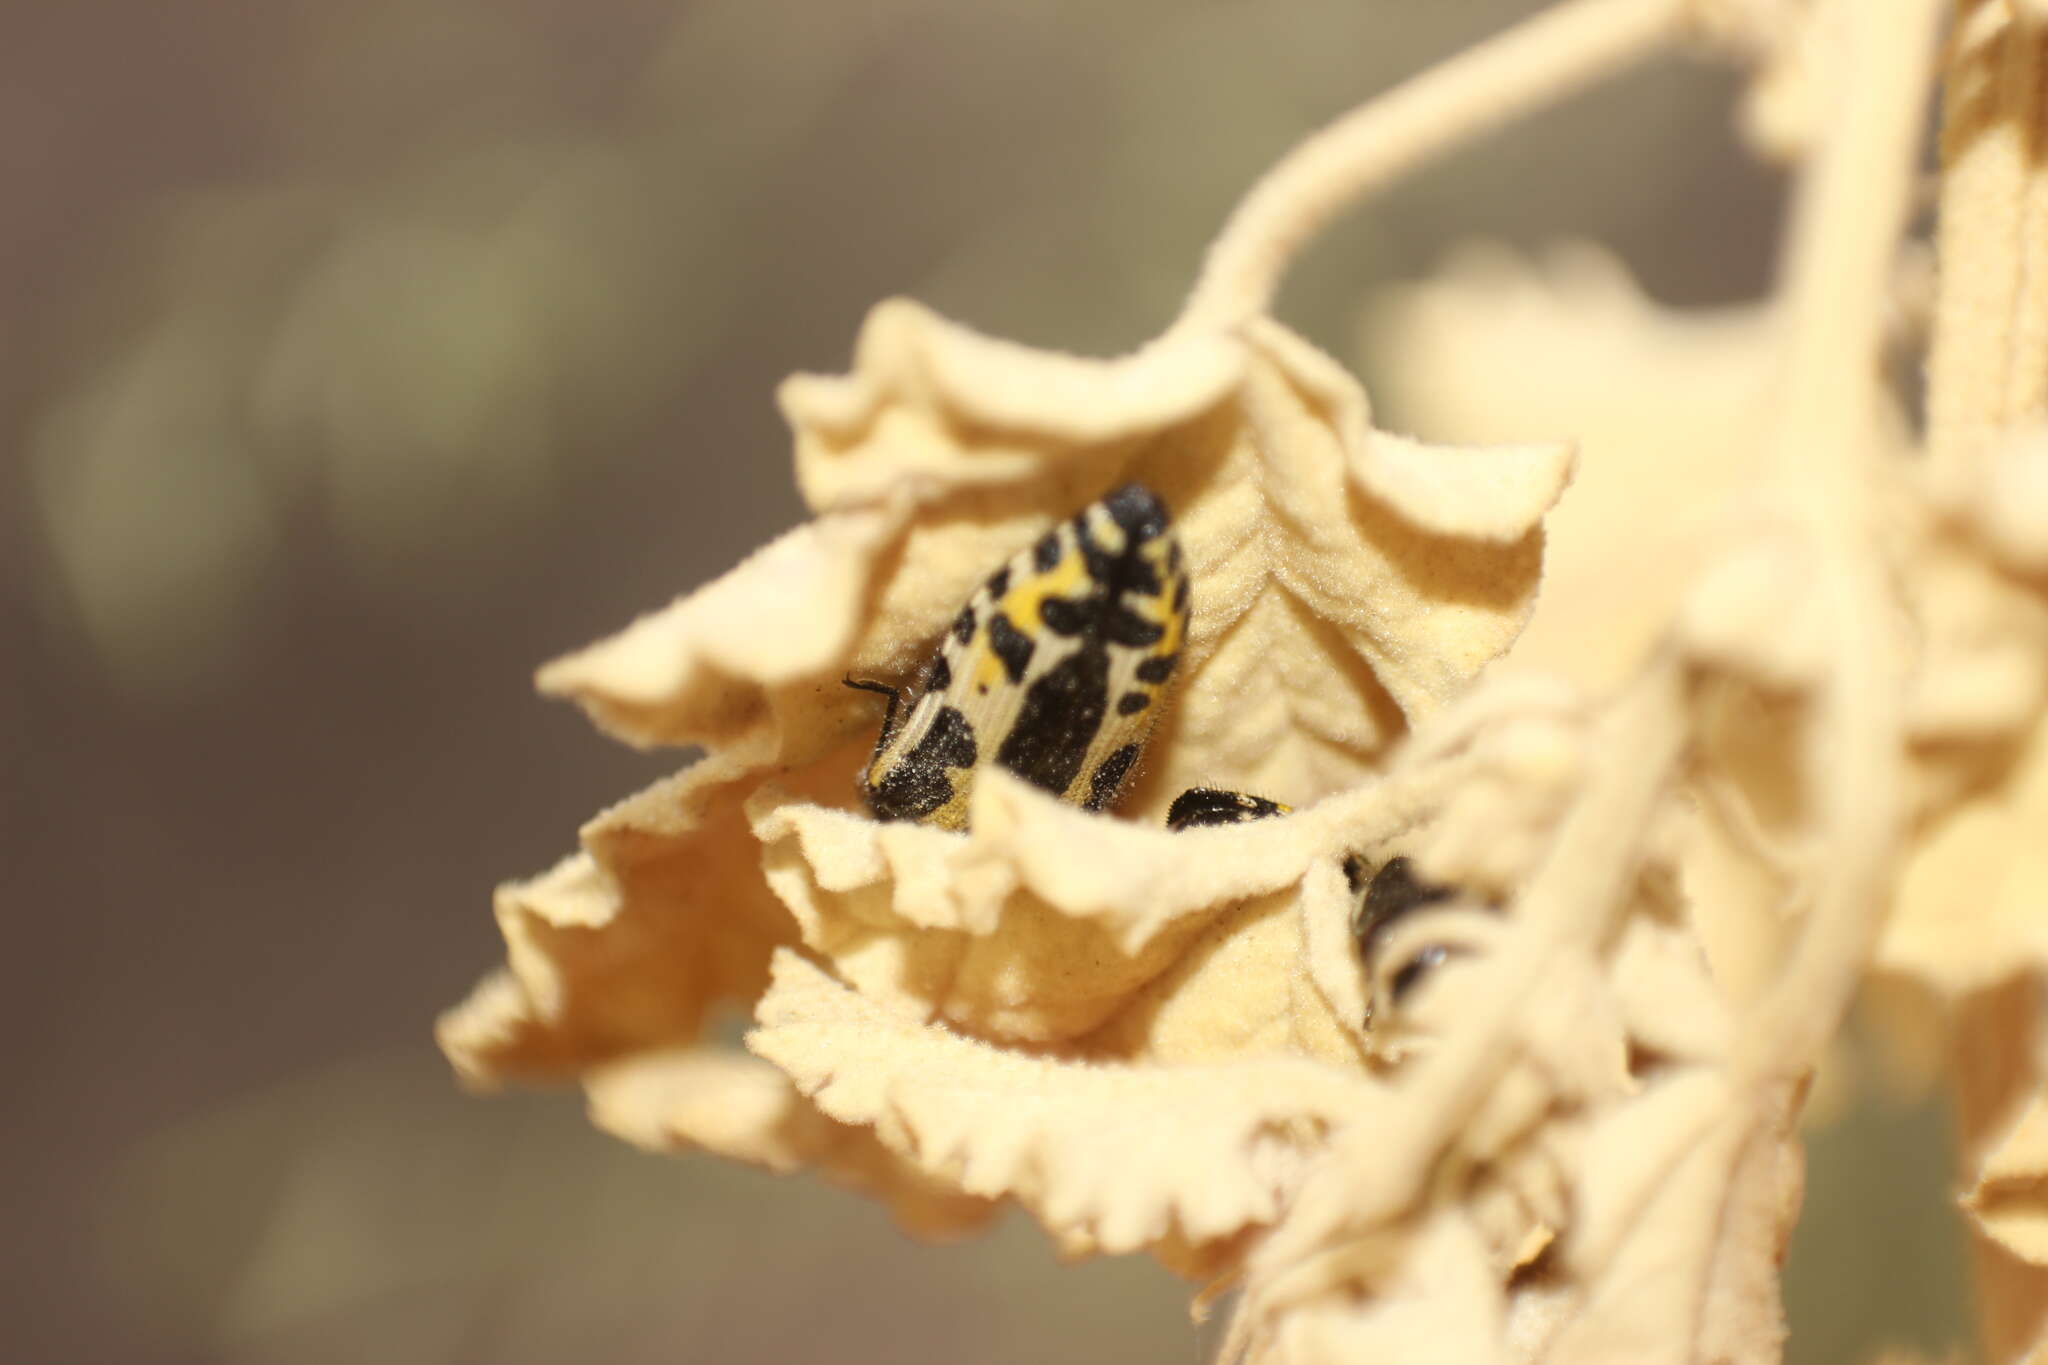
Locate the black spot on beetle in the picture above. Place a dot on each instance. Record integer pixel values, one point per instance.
(941, 676)
(1063, 616)
(1122, 626)
(963, 625)
(1394, 891)
(1061, 712)
(920, 783)
(1138, 510)
(1011, 645)
(1214, 806)
(1116, 574)
(999, 583)
(1415, 968)
(1157, 670)
(1131, 703)
(1103, 785)
(1045, 554)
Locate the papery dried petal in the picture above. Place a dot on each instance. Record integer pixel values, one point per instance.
(1970, 895)
(1439, 1300)
(1123, 1157)
(1982, 672)
(1666, 406)
(929, 401)
(1232, 992)
(618, 946)
(1689, 1201)
(1355, 578)
(1668, 1001)
(1347, 585)
(1757, 613)
(1044, 922)
(739, 1107)
(1043, 944)
(738, 663)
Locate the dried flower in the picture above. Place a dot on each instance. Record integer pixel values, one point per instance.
(1573, 1136)
(1351, 580)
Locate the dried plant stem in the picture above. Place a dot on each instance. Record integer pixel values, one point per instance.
(1988, 366)
(1554, 54)
(1852, 212)
(1854, 202)
(1375, 1169)
(1988, 375)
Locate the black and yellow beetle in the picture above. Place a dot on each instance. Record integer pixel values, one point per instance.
(1054, 669)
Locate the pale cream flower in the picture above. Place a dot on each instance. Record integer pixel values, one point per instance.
(1576, 1138)
(1667, 408)
(1348, 584)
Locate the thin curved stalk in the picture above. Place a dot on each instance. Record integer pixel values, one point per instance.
(1545, 58)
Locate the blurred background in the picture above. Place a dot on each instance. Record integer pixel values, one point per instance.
(354, 359)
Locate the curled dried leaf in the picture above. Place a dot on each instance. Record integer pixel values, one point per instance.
(627, 944)
(1176, 1159)
(1353, 579)
(1666, 407)
(739, 1107)
(1435, 1295)
(1969, 910)
(1357, 579)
